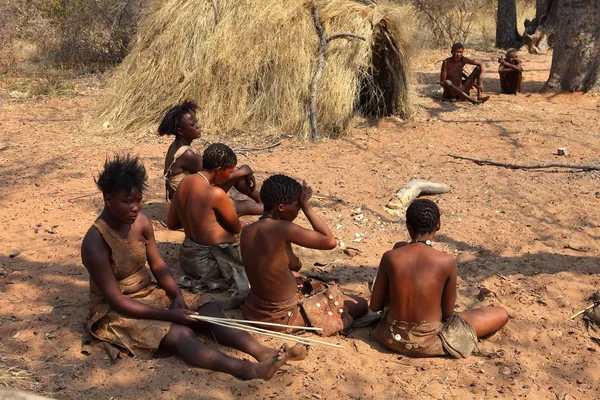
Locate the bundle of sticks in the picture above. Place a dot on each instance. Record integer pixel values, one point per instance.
(245, 325)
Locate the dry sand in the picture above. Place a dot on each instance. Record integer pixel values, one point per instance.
(527, 235)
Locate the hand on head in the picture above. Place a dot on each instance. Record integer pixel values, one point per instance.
(305, 194)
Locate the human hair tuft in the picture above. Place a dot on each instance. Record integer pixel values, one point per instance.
(174, 117)
(422, 216)
(218, 155)
(457, 46)
(279, 189)
(122, 174)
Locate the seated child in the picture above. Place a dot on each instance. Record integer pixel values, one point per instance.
(129, 310)
(201, 207)
(417, 286)
(511, 72)
(182, 160)
(271, 265)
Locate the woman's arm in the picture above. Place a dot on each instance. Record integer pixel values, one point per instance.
(95, 255)
(320, 237)
(158, 266)
(190, 161)
(223, 208)
(449, 293)
(380, 287)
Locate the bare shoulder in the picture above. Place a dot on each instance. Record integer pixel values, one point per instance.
(91, 238)
(393, 256)
(218, 195)
(143, 223)
(92, 246)
(446, 261)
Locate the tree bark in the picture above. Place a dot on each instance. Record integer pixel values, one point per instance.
(506, 24)
(576, 57)
(540, 8)
(539, 33)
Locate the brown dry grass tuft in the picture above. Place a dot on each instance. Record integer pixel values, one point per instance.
(249, 64)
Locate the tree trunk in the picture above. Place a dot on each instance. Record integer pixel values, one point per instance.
(576, 58)
(540, 8)
(539, 33)
(506, 25)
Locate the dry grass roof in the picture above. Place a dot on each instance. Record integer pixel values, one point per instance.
(249, 64)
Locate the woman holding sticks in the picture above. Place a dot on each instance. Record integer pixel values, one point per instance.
(127, 309)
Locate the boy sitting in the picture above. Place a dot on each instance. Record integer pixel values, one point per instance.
(207, 215)
(417, 286)
(272, 267)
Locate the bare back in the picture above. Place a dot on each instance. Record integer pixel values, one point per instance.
(266, 256)
(204, 211)
(417, 283)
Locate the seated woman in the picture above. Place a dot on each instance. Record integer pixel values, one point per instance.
(127, 309)
(181, 160)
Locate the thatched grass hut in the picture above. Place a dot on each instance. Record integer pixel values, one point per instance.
(250, 65)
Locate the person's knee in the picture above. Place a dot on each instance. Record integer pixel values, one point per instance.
(177, 333)
(502, 316)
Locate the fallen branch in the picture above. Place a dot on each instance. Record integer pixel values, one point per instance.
(413, 189)
(323, 41)
(260, 148)
(551, 164)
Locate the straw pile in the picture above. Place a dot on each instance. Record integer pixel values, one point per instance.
(249, 65)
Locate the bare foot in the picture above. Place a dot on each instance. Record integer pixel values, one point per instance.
(267, 368)
(298, 352)
(483, 99)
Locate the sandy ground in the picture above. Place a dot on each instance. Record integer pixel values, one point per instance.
(527, 235)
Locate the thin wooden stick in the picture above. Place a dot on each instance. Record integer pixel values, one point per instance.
(582, 311)
(480, 161)
(260, 148)
(229, 323)
(252, 329)
(245, 321)
(232, 323)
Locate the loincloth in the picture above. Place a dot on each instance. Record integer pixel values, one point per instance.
(286, 312)
(215, 267)
(140, 337)
(455, 337)
(324, 309)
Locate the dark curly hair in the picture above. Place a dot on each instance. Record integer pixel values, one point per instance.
(422, 215)
(174, 117)
(218, 155)
(122, 174)
(457, 46)
(279, 189)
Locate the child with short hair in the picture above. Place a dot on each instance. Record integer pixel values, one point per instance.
(416, 290)
(273, 268)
